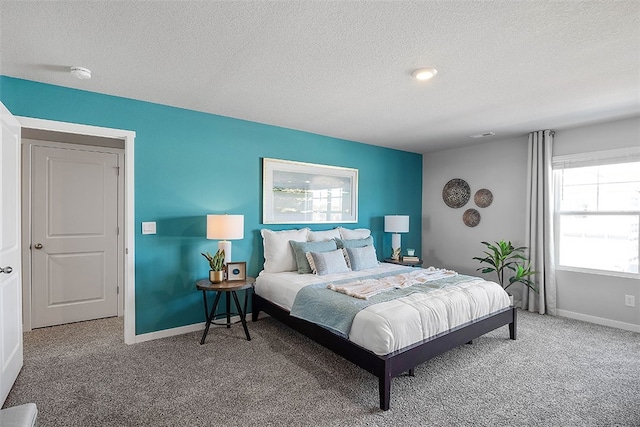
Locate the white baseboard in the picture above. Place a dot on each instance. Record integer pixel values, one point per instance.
(599, 320)
(562, 313)
(169, 332)
(179, 330)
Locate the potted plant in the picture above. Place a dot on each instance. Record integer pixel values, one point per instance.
(502, 256)
(216, 262)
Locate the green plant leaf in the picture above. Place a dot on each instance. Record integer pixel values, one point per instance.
(502, 256)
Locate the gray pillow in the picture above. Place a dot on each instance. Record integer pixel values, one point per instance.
(301, 248)
(361, 258)
(354, 243)
(329, 262)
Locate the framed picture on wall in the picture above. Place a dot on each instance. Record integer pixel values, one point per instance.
(307, 193)
(236, 271)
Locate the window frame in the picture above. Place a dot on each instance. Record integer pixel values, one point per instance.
(607, 157)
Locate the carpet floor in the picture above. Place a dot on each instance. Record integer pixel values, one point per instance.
(560, 372)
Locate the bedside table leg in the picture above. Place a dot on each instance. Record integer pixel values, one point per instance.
(228, 310)
(246, 297)
(244, 321)
(210, 317)
(206, 309)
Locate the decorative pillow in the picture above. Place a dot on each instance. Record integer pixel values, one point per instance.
(329, 262)
(312, 264)
(301, 248)
(278, 254)
(321, 236)
(361, 258)
(358, 233)
(354, 243)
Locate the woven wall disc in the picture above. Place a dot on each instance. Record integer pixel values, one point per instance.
(483, 198)
(456, 193)
(471, 217)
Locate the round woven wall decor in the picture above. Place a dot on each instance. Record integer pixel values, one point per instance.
(483, 198)
(456, 193)
(471, 217)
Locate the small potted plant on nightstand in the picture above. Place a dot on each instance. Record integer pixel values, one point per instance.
(503, 256)
(216, 262)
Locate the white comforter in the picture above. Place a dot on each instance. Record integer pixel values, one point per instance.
(393, 325)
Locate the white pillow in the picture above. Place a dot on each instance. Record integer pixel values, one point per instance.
(321, 236)
(278, 254)
(358, 233)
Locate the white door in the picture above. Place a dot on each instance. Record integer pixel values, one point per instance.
(74, 238)
(10, 273)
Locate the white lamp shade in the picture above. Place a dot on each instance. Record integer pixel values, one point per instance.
(225, 227)
(396, 223)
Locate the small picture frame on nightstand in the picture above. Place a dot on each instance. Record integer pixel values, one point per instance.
(236, 271)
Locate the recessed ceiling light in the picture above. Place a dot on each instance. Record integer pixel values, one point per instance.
(81, 73)
(482, 135)
(424, 73)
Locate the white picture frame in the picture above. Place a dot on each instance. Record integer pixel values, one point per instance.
(308, 193)
(236, 271)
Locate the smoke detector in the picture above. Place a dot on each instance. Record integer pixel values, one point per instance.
(482, 135)
(81, 73)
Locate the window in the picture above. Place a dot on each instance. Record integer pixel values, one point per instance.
(597, 212)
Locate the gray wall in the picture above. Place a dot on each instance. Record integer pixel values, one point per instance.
(500, 166)
(595, 297)
(603, 136)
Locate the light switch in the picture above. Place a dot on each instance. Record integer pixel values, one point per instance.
(149, 227)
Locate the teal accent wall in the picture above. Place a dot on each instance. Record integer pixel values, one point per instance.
(189, 164)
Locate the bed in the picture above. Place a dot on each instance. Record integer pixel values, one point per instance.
(385, 318)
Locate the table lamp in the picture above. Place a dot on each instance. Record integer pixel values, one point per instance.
(396, 224)
(224, 228)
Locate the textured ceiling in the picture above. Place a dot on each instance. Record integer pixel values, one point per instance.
(342, 68)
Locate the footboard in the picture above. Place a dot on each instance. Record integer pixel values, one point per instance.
(393, 364)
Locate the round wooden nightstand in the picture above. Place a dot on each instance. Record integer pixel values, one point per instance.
(228, 288)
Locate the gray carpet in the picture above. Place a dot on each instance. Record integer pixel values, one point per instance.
(559, 372)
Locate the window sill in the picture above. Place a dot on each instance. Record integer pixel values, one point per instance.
(598, 272)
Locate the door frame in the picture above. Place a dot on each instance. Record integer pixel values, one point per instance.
(128, 261)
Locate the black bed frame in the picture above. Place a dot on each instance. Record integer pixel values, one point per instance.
(393, 364)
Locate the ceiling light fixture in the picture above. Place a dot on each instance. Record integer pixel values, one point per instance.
(424, 73)
(81, 73)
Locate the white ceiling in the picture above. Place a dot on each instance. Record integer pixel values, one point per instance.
(342, 68)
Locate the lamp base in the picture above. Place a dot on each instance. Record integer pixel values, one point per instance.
(395, 246)
(226, 246)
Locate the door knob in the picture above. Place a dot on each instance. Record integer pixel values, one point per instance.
(38, 246)
(6, 270)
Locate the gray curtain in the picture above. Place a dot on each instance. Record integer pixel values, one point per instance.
(539, 224)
